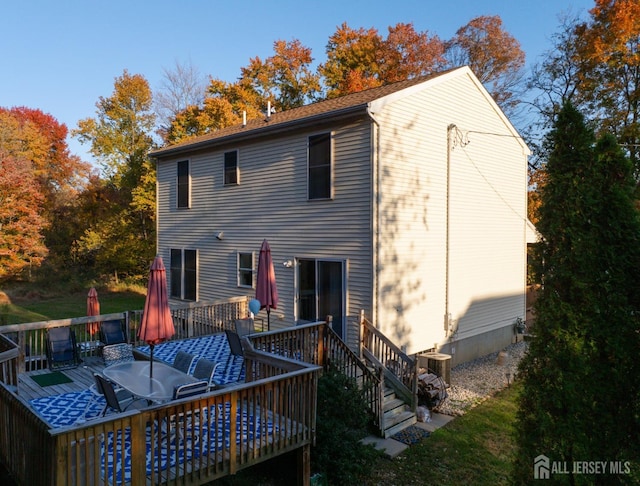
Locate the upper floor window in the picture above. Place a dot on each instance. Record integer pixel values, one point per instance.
(184, 274)
(183, 185)
(245, 269)
(319, 176)
(231, 172)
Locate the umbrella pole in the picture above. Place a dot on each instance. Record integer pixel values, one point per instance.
(268, 319)
(151, 364)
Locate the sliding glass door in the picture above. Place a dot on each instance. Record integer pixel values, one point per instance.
(321, 292)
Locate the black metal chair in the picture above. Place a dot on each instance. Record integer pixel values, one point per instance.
(234, 342)
(183, 361)
(62, 350)
(245, 327)
(204, 370)
(113, 332)
(115, 398)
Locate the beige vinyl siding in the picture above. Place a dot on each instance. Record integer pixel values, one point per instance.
(271, 202)
(487, 211)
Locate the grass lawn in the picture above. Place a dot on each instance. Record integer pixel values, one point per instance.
(24, 308)
(476, 448)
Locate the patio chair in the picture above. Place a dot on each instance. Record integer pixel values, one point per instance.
(237, 352)
(113, 332)
(62, 350)
(190, 389)
(234, 342)
(244, 327)
(117, 353)
(116, 398)
(204, 371)
(183, 361)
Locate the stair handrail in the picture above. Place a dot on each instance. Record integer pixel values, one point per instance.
(399, 367)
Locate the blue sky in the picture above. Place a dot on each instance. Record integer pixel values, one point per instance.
(60, 57)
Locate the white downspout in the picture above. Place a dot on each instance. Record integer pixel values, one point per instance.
(376, 182)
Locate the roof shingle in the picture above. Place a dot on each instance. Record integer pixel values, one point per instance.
(330, 107)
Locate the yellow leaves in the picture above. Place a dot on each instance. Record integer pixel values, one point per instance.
(615, 31)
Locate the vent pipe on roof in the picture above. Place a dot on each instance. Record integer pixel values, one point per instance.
(268, 109)
(244, 118)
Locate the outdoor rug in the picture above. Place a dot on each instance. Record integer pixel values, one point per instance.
(54, 378)
(68, 408)
(411, 435)
(214, 348)
(213, 436)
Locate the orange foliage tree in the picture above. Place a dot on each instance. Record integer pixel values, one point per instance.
(493, 55)
(21, 223)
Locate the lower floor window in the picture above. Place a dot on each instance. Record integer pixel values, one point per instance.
(184, 275)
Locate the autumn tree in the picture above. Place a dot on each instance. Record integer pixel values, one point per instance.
(493, 55)
(595, 64)
(284, 80)
(406, 54)
(35, 142)
(56, 170)
(352, 61)
(222, 107)
(121, 138)
(21, 223)
(581, 375)
(610, 71)
(359, 59)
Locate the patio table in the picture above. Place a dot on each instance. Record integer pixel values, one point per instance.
(134, 377)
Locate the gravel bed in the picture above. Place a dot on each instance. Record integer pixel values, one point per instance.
(474, 381)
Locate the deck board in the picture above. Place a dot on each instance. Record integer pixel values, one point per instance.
(82, 378)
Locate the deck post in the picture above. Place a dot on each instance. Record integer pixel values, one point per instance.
(303, 455)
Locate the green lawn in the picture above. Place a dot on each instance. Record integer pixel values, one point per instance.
(24, 309)
(476, 448)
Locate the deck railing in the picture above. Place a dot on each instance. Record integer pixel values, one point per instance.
(281, 381)
(399, 369)
(190, 320)
(189, 441)
(318, 344)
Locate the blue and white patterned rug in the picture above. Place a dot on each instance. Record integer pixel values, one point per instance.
(214, 348)
(76, 407)
(210, 439)
(68, 408)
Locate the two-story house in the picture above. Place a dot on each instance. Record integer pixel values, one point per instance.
(406, 201)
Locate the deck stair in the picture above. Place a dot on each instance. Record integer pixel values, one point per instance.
(397, 414)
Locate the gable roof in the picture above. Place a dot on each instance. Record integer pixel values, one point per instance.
(347, 105)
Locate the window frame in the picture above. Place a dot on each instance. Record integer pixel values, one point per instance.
(183, 185)
(240, 270)
(325, 167)
(184, 274)
(227, 171)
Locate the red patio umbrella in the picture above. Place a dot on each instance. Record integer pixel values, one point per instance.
(157, 324)
(93, 309)
(266, 289)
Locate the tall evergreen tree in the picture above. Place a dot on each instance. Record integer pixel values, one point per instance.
(581, 377)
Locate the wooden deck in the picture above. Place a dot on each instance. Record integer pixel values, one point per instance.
(272, 413)
(82, 379)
